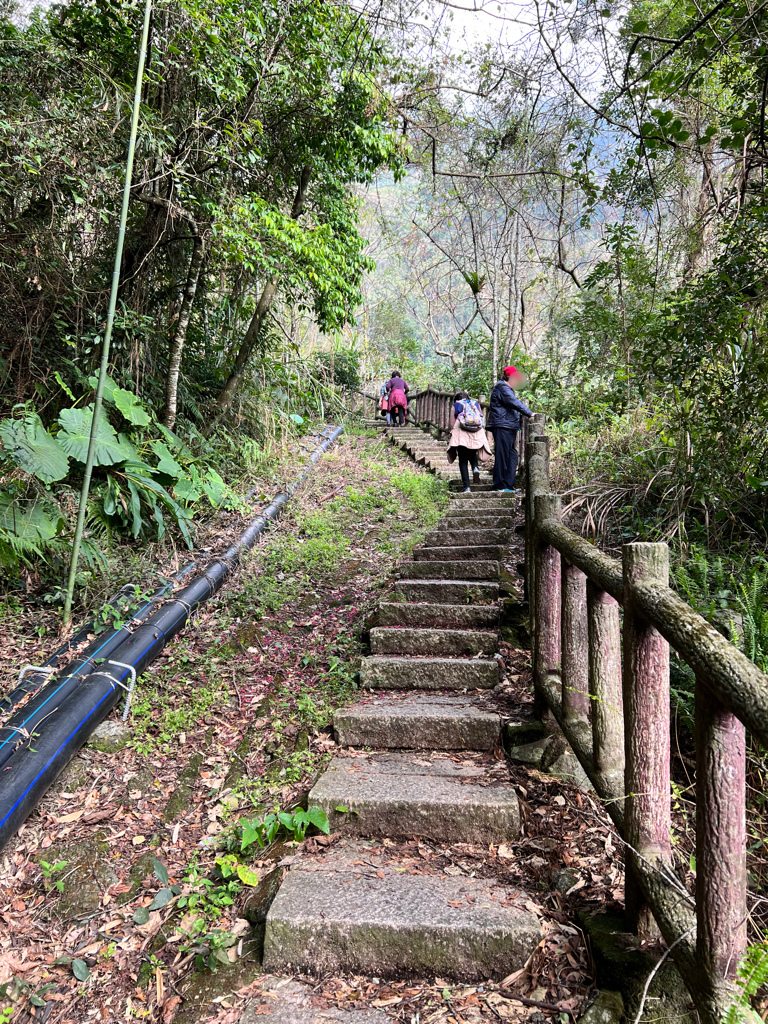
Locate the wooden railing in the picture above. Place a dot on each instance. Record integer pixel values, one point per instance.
(432, 409)
(615, 713)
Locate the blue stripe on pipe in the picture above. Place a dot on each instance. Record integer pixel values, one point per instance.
(54, 756)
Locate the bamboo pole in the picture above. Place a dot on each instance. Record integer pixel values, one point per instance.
(90, 458)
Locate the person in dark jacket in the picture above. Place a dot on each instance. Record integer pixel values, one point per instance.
(504, 422)
(397, 389)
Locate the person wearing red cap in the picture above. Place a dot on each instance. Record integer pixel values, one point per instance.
(504, 422)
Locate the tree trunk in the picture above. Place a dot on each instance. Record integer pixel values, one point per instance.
(248, 344)
(180, 334)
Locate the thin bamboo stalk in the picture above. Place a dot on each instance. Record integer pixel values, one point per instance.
(90, 458)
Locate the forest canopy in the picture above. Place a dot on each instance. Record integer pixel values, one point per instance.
(322, 190)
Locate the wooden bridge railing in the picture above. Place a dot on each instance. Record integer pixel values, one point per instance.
(615, 713)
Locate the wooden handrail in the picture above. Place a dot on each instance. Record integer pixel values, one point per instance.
(619, 728)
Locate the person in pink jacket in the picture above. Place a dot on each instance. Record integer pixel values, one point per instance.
(397, 389)
(468, 440)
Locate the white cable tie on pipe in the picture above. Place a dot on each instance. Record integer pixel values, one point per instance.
(46, 669)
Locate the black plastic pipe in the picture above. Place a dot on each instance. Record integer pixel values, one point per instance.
(34, 680)
(33, 768)
(19, 727)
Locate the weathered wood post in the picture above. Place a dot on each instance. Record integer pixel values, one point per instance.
(647, 818)
(547, 597)
(537, 482)
(721, 866)
(574, 646)
(604, 631)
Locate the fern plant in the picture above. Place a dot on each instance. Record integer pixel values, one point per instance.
(752, 599)
(751, 977)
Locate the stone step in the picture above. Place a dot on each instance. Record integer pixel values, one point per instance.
(453, 570)
(407, 795)
(450, 616)
(481, 487)
(420, 721)
(485, 552)
(485, 499)
(449, 592)
(351, 916)
(489, 507)
(404, 640)
(390, 672)
(446, 536)
(472, 521)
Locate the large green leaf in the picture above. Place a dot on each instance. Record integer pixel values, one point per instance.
(75, 433)
(166, 462)
(25, 525)
(128, 404)
(33, 449)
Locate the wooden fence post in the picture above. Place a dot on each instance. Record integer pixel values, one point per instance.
(547, 597)
(647, 818)
(607, 702)
(575, 646)
(536, 482)
(721, 866)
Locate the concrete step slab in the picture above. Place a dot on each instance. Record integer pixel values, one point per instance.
(451, 569)
(405, 640)
(390, 672)
(486, 498)
(377, 921)
(419, 721)
(446, 553)
(491, 508)
(400, 795)
(479, 521)
(449, 592)
(444, 616)
(456, 537)
(482, 487)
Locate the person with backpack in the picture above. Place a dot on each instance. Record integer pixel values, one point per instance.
(384, 403)
(504, 422)
(397, 389)
(468, 440)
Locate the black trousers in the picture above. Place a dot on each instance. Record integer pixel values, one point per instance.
(505, 464)
(398, 416)
(467, 458)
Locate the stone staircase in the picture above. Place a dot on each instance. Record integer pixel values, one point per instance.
(418, 761)
(427, 451)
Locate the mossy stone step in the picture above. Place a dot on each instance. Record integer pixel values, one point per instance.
(405, 640)
(489, 507)
(451, 592)
(346, 918)
(391, 672)
(447, 553)
(456, 537)
(407, 795)
(453, 569)
(420, 721)
(443, 616)
(477, 521)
